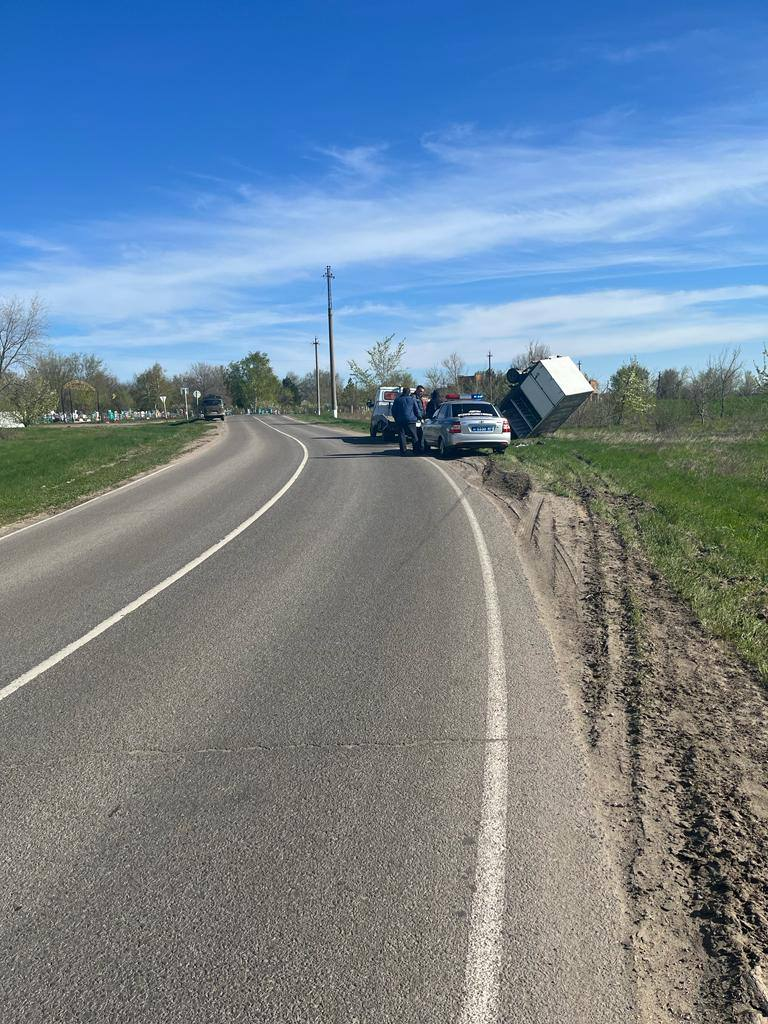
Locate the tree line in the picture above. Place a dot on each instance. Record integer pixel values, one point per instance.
(725, 388)
(36, 380)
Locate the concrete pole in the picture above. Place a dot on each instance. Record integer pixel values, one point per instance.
(334, 403)
(317, 374)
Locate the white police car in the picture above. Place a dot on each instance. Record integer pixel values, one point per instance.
(382, 421)
(466, 422)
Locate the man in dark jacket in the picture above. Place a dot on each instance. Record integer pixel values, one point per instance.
(407, 412)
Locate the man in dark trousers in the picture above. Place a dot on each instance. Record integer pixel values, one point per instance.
(407, 412)
(422, 404)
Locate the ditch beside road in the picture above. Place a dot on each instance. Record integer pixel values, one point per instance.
(674, 721)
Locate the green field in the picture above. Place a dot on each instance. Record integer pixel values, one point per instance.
(43, 469)
(702, 518)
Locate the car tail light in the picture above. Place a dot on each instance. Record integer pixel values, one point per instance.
(505, 427)
(455, 427)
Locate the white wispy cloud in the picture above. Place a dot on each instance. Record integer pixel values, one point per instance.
(242, 262)
(599, 322)
(629, 54)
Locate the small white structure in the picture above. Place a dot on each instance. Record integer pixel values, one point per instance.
(543, 396)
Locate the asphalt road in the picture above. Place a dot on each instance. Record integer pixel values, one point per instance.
(276, 791)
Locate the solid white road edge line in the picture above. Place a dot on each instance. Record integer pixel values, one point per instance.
(102, 627)
(482, 973)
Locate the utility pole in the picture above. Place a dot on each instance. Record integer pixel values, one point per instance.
(490, 378)
(317, 375)
(334, 404)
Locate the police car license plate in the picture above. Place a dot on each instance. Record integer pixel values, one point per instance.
(483, 428)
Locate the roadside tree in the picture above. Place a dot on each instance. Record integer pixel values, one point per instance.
(22, 329)
(630, 391)
(385, 365)
(307, 388)
(290, 392)
(30, 396)
(208, 379)
(252, 381)
(148, 386)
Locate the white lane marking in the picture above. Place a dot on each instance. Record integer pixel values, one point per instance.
(482, 972)
(100, 497)
(106, 624)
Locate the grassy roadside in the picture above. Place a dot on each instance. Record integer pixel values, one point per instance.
(698, 507)
(43, 469)
(349, 424)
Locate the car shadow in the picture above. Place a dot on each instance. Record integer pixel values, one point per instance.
(374, 448)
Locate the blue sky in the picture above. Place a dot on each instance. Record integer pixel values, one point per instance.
(592, 176)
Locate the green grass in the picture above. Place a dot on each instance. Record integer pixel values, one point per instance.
(702, 517)
(43, 469)
(350, 424)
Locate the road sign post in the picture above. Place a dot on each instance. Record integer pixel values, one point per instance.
(162, 399)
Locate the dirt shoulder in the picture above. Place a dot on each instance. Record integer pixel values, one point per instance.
(676, 730)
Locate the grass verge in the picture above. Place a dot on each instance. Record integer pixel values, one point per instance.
(43, 469)
(698, 508)
(363, 426)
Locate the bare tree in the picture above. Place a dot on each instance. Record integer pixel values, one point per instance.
(536, 350)
(207, 378)
(700, 390)
(435, 378)
(454, 368)
(725, 372)
(22, 329)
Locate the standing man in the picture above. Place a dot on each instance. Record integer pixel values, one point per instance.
(407, 412)
(422, 403)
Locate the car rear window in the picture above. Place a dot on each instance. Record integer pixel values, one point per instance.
(473, 409)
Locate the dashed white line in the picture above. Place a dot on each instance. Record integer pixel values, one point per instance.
(482, 971)
(134, 605)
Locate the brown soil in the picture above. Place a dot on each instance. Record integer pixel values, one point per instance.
(676, 729)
